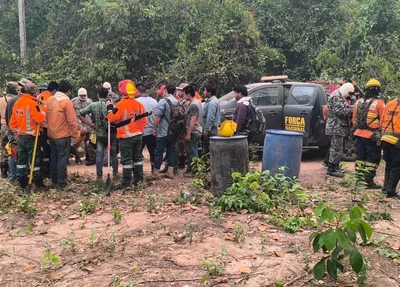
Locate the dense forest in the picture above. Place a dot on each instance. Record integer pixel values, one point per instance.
(203, 41)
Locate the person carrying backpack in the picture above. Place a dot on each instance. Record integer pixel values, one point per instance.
(241, 114)
(367, 115)
(167, 125)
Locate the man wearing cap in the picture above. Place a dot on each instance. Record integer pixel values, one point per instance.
(111, 95)
(181, 141)
(80, 102)
(46, 91)
(25, 118)
(130, 135)
(12, 90)
(63, 126)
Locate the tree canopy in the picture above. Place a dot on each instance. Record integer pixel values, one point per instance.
(222, 42)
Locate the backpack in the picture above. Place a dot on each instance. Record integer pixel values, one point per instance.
(178, 122)
(257, 123)
(362, 114)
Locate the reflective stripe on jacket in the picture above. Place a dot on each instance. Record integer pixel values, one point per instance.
(390, 122)
(26, 116)
(375, 113)
(127, 108)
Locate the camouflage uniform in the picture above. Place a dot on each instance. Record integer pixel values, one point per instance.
(85, 130)
(337, 125)
(181, 141)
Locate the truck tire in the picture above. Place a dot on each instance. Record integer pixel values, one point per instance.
(349, 149)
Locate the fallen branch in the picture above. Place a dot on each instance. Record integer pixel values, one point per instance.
(387, 233)
(168, 281)
(390, 276)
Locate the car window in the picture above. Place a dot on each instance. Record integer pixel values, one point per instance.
(265, 97)
(301, 95)
(229, 97)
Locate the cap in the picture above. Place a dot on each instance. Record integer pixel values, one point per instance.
(107, 85)
(23, 82)
(82, 91)
(181, 86)
(161, 90)
(43, 86)
(12, 85)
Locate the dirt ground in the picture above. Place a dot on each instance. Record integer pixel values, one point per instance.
(150, 246)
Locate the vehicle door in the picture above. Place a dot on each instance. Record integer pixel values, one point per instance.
(267, 99)
(298, 109)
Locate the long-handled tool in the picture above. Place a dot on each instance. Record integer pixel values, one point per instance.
(108, 185)
(32, 167)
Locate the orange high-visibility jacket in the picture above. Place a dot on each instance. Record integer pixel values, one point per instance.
(26, 116)
(127, 108)
(374, 116)
(197, 96)
(390, 122)
(44, 96)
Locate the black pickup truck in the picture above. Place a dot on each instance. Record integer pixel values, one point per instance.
(291, 106)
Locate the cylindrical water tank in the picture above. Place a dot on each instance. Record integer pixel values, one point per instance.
(282, 148)
(227, 155)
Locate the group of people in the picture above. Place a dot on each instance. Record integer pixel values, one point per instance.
(377, 128)
(136, 121)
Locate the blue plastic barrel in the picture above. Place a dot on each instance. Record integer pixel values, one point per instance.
(282, 148)
(227, 155)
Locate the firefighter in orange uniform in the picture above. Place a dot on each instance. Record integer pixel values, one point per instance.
(367, 115)
(130, 135)
(390, 125)
(26, 116)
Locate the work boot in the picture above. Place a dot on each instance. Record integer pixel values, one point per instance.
(4, 170)
(40, 184)
(90, 162)
(370, 174)
(181, 164)
(165, 169)
(385, 182)
(394, 194)
(155, 174)
(170, 173)
(138, 171)
(126, 177)
(78, 160)
(23, 182)
(333, 171)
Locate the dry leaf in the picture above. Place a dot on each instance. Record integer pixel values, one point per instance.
(276, 237)
(262, 228)
(29, 268)
(39, 223)
(54, 276)
(230, 225)
(279, 253)
(244, 211)
(73, 216)
(246, 270)
(395, 245)
(87, 268)
(229, 237)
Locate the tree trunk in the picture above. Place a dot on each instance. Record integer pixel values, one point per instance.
(22, 31)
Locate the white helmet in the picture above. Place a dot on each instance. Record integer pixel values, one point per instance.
(346, 89)
(82, 91)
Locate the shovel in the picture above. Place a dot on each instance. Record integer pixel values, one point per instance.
(29, 187)
(108, 185)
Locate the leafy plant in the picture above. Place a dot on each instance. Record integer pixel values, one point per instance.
(262, 192)
(190, 228)
(69, 241)
(215, 267)
(201, 166)
(372, 216)
(49, 258)
(240, 232)
(27, 206)
(340, 240)
(117, 217)
(89, 205)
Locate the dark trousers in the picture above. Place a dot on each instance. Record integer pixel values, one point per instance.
(60, 150)
(167, 143)
(44, 153)
(25, 152)
(131, 153)
(192, 148)
(391, 155)
(149, 142)
(368, 159)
